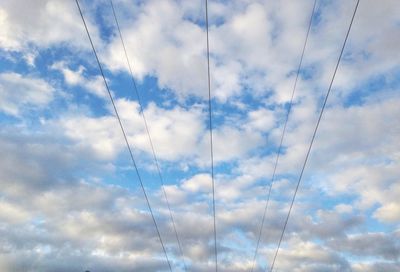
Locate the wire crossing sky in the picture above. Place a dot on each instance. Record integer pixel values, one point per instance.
(282, 137)
(313, 136)
(211, 140)
(125, 137)
(148, 134)
(245, 75)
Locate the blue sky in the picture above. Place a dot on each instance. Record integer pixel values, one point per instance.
(70, 199)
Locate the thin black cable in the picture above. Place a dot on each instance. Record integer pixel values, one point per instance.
(124, 134)
(148, 134)
(313, 136)
(211, 140)
(282, 136)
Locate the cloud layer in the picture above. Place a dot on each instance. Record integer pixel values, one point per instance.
(70, 200)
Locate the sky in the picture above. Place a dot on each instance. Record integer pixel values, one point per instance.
(70, 199)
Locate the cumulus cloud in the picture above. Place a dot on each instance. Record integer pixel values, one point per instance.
(61, 214)
(95, 135)
(199, 183)
(370, 244)
(41, 23)
(175, 133)
(94, 85)
(19, 93)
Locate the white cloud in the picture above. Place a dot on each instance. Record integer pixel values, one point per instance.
(175, 132)
(41, 23)
(19, 93)
(308, 256)
(94, 85)
(375, 267)
(389, 212)
(12, 213)
(261, 119)
(344, 208)
(200, 183)
(99, 135)
(229, 142)
(164, 46)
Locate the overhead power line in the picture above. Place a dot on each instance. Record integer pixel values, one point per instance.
(148, 134)
(124, 134)
(282, 137)
(211, 140)
(314, 134)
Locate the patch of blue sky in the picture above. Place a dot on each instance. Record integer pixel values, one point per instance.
(375, 225)
(13, 62)
(125, 174)
(307, 71)
(267, 149)
(317, 16)
(148, 89)
(231, 112)
(102, 16)
(252, 100)
(374, 87)
(225, 167)
(214, 21)
(7, 120)
(188, 102)
(42, 69)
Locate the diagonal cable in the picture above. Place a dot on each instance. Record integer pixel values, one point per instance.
(148, 134)
(282, 137)
(124, 134)
(314, 134)
(211, 140)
